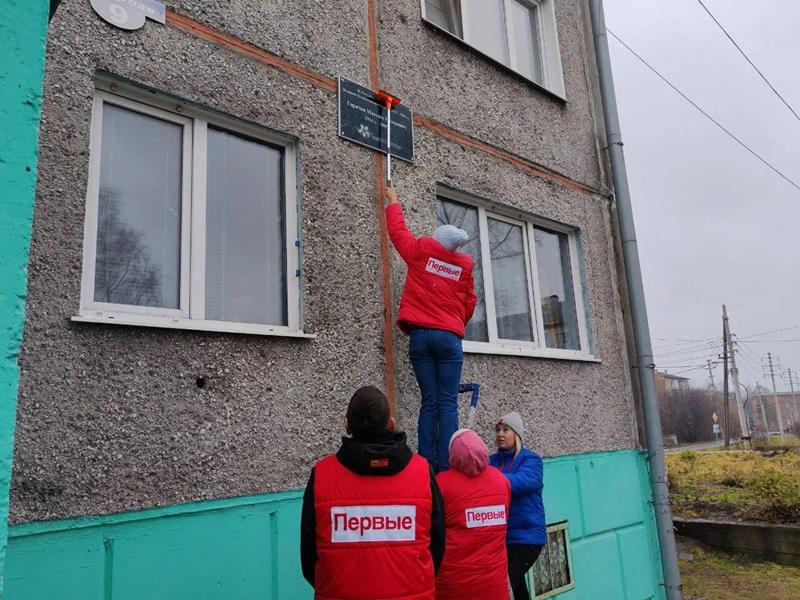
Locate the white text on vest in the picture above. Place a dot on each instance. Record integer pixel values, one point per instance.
(392, 523)
(484, 516)
(443, 269)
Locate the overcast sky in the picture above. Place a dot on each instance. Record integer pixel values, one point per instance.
(714, 224)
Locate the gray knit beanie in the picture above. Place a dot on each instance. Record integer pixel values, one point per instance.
(513, 420)
(451, 237)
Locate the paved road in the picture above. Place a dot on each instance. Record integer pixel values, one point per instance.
(698, 446)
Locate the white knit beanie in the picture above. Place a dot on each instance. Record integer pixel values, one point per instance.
(451, 237)
(513, 420)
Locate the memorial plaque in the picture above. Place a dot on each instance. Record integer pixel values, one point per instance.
(362, 119)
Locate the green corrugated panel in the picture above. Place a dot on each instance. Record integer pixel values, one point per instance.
(237, 548)
(248, 547)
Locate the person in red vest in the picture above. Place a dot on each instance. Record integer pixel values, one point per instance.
(372, 525)
(476, 500)
(437, 302)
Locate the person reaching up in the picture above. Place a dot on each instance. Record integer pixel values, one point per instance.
(437, 303)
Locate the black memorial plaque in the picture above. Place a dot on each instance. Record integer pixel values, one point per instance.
(362, 119)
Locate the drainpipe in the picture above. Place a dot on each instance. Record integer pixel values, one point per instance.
(641, 329)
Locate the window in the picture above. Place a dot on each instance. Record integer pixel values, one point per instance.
(191, 220)
(530, 298)
(551, 574)
(520, 34)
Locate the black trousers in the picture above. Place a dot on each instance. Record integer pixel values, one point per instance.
(520, 558)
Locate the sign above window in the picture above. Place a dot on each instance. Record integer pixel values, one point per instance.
(130, 14)
(362, 119)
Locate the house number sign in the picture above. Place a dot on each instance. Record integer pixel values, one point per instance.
(129, 14)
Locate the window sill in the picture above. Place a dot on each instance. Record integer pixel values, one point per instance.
(528, 352)
(189, 324)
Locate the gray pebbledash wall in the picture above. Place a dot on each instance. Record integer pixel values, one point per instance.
(111, 418)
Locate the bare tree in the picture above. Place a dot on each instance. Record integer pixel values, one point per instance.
(123, 274)
(689, 414)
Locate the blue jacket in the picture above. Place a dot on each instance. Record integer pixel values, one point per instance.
(526, 522)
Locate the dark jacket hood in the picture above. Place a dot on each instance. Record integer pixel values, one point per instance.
(386, 455)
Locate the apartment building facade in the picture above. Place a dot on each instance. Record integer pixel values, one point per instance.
(210, 279)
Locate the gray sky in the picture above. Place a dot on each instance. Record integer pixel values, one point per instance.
(714, 224)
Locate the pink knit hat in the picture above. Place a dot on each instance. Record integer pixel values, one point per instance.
(468, 453)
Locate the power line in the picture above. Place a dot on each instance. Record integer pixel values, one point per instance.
(747, 337)
(704, 365)
(747, 58)
(751, 361)
(686, 340)
(749, 365)
(707, 347)
(661, 346)
(688, 370)
(742, 344)
(772, 341)
(709, 117)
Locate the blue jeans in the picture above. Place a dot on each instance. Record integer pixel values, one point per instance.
(437, 358)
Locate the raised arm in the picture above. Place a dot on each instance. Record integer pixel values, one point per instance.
(401, 237)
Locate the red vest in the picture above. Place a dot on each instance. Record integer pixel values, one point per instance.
(476, 511)
(373, 533)
(439, 290)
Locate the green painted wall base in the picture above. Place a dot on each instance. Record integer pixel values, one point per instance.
(244, 548)
(23, 31)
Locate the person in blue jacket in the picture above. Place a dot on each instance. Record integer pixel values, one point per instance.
(526, 523)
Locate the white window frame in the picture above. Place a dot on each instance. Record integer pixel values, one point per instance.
(191, 311)
(537, 347)
(552, 71)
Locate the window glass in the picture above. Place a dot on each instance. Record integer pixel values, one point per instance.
(138, 255)
(517, 280)
(555, 286)
(527, 47)
(466, 218)
(510, 281)
(486, 27)
(245, 273)
(551, 573)
(446, 14)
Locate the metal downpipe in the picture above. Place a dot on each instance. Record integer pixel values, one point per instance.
(641, 328)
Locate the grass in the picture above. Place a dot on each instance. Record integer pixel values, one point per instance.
(762, 443)
(735, 485)
(774, 441)
(713, 575)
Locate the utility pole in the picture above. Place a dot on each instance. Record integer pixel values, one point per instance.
(793, 379)
(763, 409)
(711, 374)
(775, 397)
(725, 372)
(792, 401)
(737, 392)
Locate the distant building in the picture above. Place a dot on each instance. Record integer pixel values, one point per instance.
(668, 385)
(765, 415)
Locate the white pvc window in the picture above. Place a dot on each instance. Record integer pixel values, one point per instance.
(191, 220)
(527, 279)
(520, 34)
